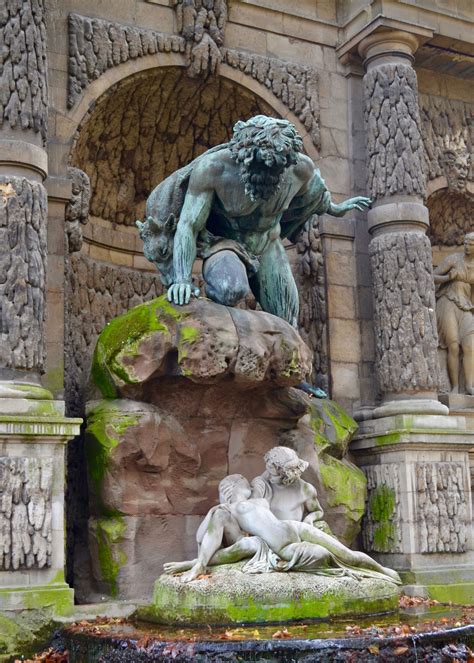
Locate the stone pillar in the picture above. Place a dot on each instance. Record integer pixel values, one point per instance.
(400, 252)
(33, 429)
(415, 457)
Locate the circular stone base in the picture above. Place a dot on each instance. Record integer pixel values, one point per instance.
(229, 596)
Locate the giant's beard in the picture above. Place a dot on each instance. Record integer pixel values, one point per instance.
(260, 181)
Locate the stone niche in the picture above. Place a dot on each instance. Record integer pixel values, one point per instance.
(188, 396)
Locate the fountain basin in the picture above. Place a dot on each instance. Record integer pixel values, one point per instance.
(228, 596)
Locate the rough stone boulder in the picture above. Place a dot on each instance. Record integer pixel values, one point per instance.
(228, 596)
(203, 341)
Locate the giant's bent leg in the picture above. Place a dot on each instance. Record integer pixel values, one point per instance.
(274, 286)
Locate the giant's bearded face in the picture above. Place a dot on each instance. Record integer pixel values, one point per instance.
(264, 147)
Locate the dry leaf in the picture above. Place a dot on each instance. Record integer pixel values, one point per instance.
(282, 634)
(398, 651)
(374, 649)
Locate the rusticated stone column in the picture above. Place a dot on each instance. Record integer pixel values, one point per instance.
(23, 199)
(400, 253)
(33, 429)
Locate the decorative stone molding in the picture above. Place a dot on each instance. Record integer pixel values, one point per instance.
(23, 77)
(96, 45)
(446, 126)
(405, 320)
(77, 209)
(25, 512)
(23, 212)
(451, 217)
(394, 145)
(381, 530)
(311, 281)
(294, 84)
(441, 507)
(202, 24)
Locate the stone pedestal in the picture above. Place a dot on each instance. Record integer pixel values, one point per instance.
(33, 434)
(419, 511)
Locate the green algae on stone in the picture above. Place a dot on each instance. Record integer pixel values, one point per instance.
(229, 596)
(123, 335)
(188, 335)
(333, 427)
(106, 425)
(381, 510)
(109, 532)
(345, 486)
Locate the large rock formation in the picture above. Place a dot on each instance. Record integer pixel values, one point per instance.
(189, 395)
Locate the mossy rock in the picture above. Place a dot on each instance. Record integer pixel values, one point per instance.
(229, 596)
(333, 427)
(202, 341)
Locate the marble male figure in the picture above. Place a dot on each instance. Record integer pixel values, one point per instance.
(288, 495)
(235, 204)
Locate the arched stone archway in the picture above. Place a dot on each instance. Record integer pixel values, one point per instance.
(149, 125)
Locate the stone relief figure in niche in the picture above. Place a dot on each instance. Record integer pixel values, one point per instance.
(235, 204)
(251, 531)
(455, 312)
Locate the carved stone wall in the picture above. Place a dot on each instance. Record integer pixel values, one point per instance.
(308, 269)
(25, 512)
(135, 137)
(294, 84)
(404, 315)
(96, 45)
(23, 211)
(441, 507)
(446, 125)
(96, 293)
(451, 217)
(381, 530)
(394, 145)
(77, 209)
(23, 72)
(202, 24)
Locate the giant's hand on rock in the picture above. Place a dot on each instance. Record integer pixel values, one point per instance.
(179, 293)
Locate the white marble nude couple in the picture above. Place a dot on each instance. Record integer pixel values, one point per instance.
(263, 523)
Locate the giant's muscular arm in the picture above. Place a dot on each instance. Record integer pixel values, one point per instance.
(194, 214)
(314, 198)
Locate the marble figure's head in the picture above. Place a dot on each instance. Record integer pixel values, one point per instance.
(234, 488)
(284, 466)
(469, 244)
(264, 147)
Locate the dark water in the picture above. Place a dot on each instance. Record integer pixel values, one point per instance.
(440, 635)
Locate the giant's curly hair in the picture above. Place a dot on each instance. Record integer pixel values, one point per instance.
(268, 142)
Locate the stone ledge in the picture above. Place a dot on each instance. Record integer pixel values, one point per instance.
(229, 596)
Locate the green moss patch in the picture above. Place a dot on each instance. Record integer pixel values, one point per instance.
(122, 337)
(109, 533)
(106, 425)
(231, 597)
(381, 512)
